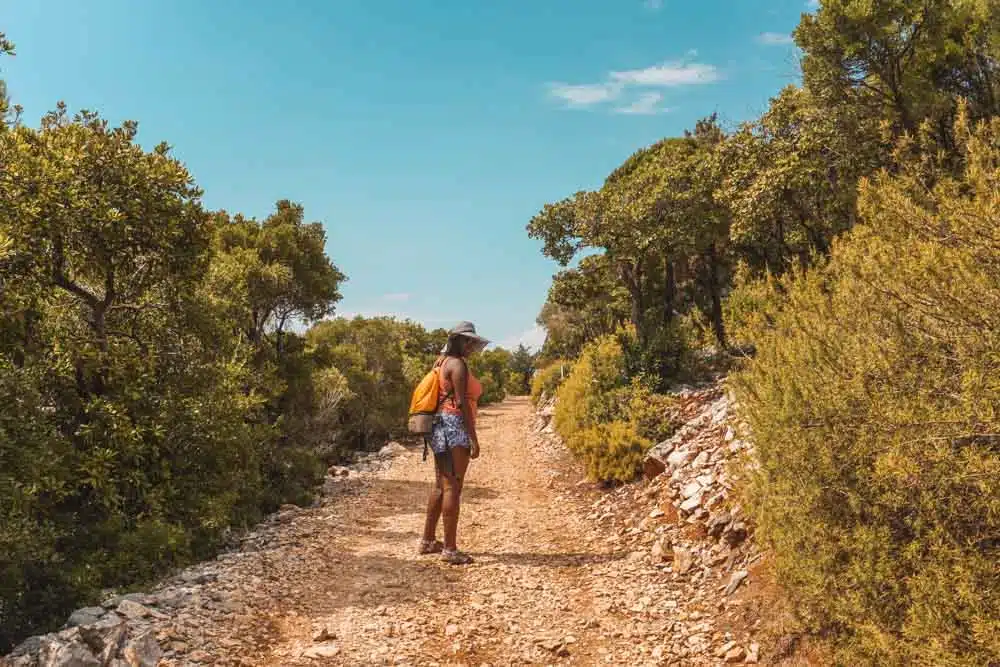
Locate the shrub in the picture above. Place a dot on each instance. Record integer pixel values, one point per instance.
(611, 451)
(664, 357)
(606, 419)
(875, 405)
(546, 380)
(751, 306)
(490, 367)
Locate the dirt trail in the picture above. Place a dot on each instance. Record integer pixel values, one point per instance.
(342, 584)
(528, 592)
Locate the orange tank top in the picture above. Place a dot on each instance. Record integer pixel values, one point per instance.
(473, 390)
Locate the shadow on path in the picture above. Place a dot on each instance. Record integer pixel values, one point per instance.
(549, 560)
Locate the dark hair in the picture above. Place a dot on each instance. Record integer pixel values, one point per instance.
(455, 346)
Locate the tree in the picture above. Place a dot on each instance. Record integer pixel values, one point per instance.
(905, 61)
(129, 442)
(117, 231)
(522, 367)
(790, 179)
(278, 268)
(369, 353)
(6, 49)
(583, 303)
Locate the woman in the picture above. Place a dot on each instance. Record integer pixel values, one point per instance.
(453, 440)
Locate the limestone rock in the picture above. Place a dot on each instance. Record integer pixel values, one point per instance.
(736, 654)
(143, 651)
(321, 651)
(735, 580)
(85, 616)
(392, 449)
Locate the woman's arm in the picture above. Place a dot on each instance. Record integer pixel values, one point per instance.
(460, 381)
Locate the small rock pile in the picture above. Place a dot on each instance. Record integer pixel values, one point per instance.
(683, 534)
(164, 627)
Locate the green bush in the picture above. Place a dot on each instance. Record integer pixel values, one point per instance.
(612, 450)
(546, 380)
(491, 367)
(605, 418)
(663, 357)
(875, 405)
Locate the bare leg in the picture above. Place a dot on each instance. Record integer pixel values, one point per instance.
(453, 496)
(434, 503)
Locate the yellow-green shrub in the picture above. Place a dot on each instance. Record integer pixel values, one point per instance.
(605, 418)
(875, 405)
(611, 451)
(750, 306)
(546, 380)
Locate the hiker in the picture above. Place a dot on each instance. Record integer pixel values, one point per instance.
(453, 440)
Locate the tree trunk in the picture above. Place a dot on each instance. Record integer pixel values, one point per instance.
(632, 277)
(669, 289)
(715, 290)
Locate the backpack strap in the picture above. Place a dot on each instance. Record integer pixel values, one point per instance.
(450, 393)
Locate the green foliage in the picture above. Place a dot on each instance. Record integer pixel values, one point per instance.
(520, 369)
(903, 61)
(751, 305)
(491, 367)
(605, 418)
(874, 402)
(663, 358)
(546, 380)
(153, 401)
(371, 354)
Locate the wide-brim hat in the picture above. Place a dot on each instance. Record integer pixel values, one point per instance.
(468, 330)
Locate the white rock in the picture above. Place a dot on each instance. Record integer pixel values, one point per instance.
(735, 580)
(700, 461)
(691, 504)
(392, 449)
(691, 489)
(679, 457)
(322, 651)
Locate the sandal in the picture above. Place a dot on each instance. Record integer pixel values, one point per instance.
(455, 557)
(430, 547)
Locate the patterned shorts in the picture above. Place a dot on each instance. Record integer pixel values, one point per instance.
(448, 432)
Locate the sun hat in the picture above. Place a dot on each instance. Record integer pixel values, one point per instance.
(468, 330)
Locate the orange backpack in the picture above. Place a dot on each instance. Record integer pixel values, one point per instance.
(425, 402)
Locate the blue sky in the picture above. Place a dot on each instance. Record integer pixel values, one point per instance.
(424, 135)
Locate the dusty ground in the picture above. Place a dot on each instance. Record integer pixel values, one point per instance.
(342, 584)
(532, 589)
(563, 575)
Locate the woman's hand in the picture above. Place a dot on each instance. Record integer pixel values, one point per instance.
(474, 450)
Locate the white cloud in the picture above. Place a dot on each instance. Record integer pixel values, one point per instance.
(647, 104)
(533, 339)
(812, 5)
(584, 95)
(665, 75)
(653, 4)
(669, 75)
(397, 296)
(774, 38)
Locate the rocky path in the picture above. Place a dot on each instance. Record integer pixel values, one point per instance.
(564, 574)
(532, 597)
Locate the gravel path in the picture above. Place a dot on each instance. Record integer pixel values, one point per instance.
(564, 574)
